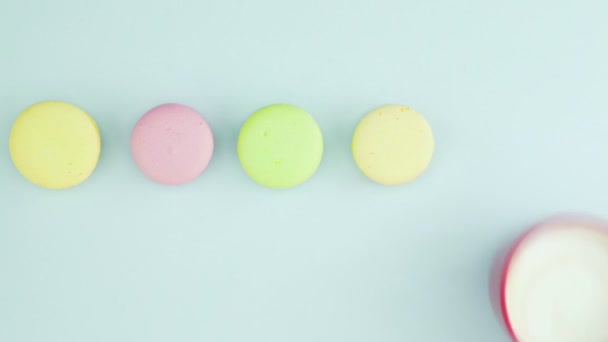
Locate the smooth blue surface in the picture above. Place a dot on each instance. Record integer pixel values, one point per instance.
(515, 91)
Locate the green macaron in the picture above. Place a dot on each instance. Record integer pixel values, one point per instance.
(280, 146)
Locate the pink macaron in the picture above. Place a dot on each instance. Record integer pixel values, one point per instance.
(172, 144)
(551, 284)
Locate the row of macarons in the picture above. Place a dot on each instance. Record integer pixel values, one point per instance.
(57, 145)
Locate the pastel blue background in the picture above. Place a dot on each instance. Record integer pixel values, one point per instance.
(515, 92)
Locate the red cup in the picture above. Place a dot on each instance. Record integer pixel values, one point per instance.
(566, 259)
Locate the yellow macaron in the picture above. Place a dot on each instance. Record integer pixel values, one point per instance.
(393, 145)
(55, 145)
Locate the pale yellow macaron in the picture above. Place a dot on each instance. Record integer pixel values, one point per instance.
(55, 145)
(393, 145)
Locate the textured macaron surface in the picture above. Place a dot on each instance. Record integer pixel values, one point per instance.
(393, 145)
(172, 144)
(280, 146)
(55, 145)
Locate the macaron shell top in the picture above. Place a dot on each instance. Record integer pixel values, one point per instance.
(55, 145)
(393, 145)
(280, 146)
(172, 144)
